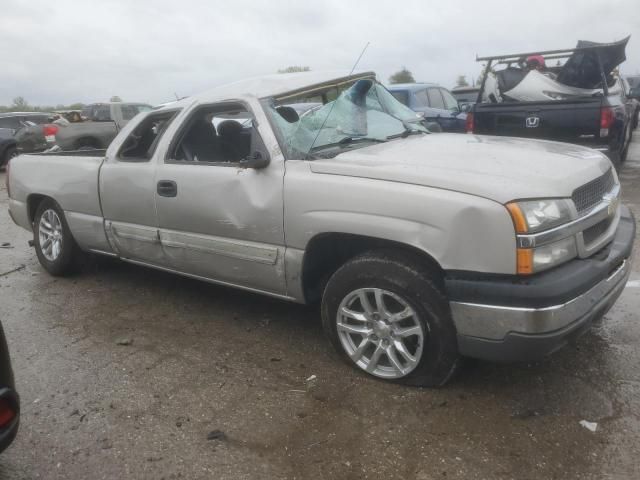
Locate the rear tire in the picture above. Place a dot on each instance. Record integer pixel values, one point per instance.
(55, 247)
(407, 337)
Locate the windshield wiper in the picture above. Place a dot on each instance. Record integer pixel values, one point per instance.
(348, 140)
(407, 131)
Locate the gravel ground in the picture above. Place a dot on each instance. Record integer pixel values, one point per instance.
(126, 373)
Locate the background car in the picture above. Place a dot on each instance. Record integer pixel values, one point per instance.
(434, 102)
(31, 132)
(9, 399)
(632, 94)
(8, 148)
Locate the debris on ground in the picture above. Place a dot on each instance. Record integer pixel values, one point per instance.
(124, 341)
(6, 245)
(311, 378)
(105, 443)
(216, 435)
(17, 269)
(528, 413)
(592, 426)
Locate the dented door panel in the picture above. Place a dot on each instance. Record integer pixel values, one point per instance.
(226, 223)
(127, 195)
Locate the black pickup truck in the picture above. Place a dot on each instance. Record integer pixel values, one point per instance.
(580, 100)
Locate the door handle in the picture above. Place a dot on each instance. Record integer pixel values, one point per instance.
(167, 188)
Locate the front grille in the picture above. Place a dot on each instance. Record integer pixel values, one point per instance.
(594, 232)
(590, 194)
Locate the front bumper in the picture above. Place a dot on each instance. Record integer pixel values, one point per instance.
(520, 319)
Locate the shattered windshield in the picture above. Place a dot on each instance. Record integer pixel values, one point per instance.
(363, 114)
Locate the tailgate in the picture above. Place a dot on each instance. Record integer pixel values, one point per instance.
(570, 121)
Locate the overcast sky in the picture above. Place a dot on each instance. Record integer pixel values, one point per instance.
(63, 51)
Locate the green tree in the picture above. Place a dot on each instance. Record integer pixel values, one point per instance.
(20, 105)
(402, 76)
(462, 81)
(294, 69)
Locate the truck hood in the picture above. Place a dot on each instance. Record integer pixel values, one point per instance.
(497, 168)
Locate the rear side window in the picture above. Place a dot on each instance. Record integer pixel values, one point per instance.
(129, 111)
(402, 96)
(38, 119)
(98, 112)
(9, 122)
(421, 98)
(450, 103)
(102, 114)
(435, 99)
(141, 144)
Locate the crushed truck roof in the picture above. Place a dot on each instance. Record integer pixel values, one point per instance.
(279, 85)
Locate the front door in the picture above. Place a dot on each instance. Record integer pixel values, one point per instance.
(223, 222)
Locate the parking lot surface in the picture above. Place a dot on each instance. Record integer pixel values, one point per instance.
(126, 372)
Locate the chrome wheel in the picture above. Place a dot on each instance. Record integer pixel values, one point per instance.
(380, 332)
(50, 235)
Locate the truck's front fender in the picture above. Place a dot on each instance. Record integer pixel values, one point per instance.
(459, 231)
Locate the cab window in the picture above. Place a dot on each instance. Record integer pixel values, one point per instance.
(141, 144)
(220, 134)
(402, 96)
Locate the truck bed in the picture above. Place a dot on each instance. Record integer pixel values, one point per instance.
(72, 179)
(89, 152)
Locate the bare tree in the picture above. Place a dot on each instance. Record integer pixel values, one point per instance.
(462, 81)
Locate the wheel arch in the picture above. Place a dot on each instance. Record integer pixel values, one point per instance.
(326, 252)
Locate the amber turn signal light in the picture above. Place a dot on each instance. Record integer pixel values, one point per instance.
(525, 261)
(518, 217)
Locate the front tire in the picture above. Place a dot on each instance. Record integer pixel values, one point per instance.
(386, 314)
(57, 251)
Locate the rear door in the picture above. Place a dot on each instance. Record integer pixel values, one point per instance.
(128, 191)
(436, 110)
(456, 119)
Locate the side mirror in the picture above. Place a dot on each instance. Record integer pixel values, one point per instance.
(634, 92)
(465, 107)
(256, 160)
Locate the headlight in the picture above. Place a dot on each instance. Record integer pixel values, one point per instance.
(534, 260)
(534, 216)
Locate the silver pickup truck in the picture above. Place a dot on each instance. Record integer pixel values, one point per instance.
(422, 248)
